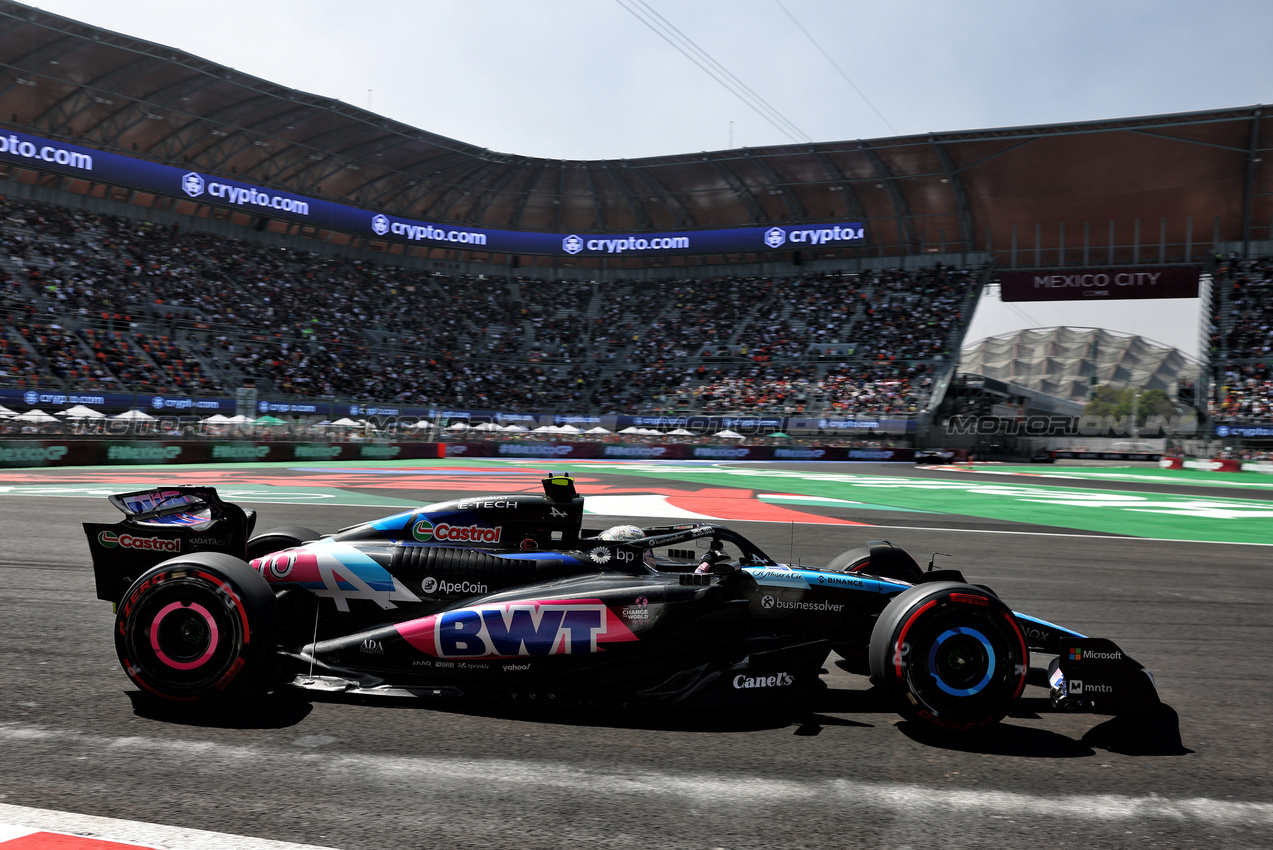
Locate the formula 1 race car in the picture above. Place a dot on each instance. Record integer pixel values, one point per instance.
(507, 597)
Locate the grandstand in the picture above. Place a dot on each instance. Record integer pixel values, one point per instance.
(390, 266)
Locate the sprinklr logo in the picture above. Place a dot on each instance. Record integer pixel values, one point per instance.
(192, 184)
(775, 237)
(380, 224)
(572, 244)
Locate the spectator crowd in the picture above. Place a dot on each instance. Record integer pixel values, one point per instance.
(98, 301)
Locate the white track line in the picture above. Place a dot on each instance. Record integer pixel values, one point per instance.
(444, 776)
(16, 821)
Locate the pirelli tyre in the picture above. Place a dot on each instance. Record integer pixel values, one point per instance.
(278, 539)
(200, 628)
(949, 656)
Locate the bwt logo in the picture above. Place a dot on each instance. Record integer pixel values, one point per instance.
(193, 184)
(380, 224)
(775, 237)
(572, 244)
(31, 397)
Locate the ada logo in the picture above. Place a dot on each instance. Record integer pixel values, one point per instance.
(775, 237)
(572, 244)
(379, 224)
(372, 647)
(192, 184)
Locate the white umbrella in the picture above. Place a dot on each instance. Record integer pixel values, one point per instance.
(598, 430)
(4, 411)
(486, 426)
(458, 426)
(346, 422)
(241, 419)
(216, 418)
(728, 434)
(547, 429)
(568, 429)
(632, 429)
(680, 432)
(650, 432)
(134, 415)
(79, 411)
(35, 415)
(423, 424)
(513, 429)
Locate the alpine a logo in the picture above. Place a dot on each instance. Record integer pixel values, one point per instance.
(424, 531)
(777, 680)
(110, 540)
(432, 585)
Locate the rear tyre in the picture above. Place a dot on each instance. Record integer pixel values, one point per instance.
(278, 539)
(200, 629)
(949, 656)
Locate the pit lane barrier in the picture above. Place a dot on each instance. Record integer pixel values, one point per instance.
(1217, 464)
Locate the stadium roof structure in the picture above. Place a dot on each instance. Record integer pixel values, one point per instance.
(1143, 190)
(1062, 362)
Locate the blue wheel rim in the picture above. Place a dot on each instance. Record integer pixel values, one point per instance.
(990, 661)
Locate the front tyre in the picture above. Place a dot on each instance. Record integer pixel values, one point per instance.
(949, 656)
(200, 628)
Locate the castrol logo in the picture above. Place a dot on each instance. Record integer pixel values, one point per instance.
(424, 531)
(110, 540)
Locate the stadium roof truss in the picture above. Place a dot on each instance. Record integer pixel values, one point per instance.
(1151, 189)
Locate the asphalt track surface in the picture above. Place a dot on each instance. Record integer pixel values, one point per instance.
(841, 772)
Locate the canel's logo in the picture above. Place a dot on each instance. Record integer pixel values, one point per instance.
(572, 244)
(775, 237)
(380, 224)
(31, 397)
(192, 184)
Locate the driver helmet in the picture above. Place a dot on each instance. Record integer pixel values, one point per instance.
(621, 532)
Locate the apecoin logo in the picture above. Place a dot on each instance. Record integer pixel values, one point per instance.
(380, 224)
(775, 237)
(572, 244)
(192, 184)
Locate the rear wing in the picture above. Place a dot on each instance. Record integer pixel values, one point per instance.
(159, 524)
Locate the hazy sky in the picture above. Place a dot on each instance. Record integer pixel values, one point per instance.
(585, 79)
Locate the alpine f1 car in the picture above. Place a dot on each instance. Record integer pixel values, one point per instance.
(507, 596)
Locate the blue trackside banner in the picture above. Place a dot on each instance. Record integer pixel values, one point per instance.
(102, 166)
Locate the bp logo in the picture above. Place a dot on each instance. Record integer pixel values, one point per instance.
(422, 531)
(775, 237)
(31, 397)
(192, 184)
(109, 539)
(572, 244)
(429, 585)
(766, 602)
(380, 224)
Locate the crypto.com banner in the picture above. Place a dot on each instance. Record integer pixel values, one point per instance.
(1100, 284)
(90, 164)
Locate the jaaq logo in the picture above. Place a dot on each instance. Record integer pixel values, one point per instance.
(192, 184)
